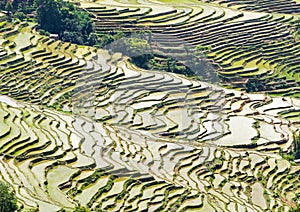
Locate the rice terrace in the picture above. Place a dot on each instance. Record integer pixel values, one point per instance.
(149, 105)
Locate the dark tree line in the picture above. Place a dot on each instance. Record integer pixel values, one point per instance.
(63, 18)
(56, 17)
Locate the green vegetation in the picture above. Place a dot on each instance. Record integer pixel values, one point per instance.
(8, 8)
(71, 24)
(105, 39)
(296, 146)
(66, 20)
(137, 45)
(138, 49)
(296, 209)
(17, 8)
(254, 85)
(8, 200)
(294, 154)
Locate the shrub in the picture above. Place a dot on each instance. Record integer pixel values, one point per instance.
(8, 200)
(43, 32)
(20, 15)
(254, 85)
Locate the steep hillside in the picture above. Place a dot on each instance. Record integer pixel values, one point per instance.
(83, 126)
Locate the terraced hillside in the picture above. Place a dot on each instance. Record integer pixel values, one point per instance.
(248, 39)
(277, 6)
(56, 160)
(81, 126)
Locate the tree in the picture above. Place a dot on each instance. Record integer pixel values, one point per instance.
(3, 4)
(65, 20)
(49, 21)
(8, 200)
(8, 8)
(254, 85)
(92, 39)
(15, 4)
